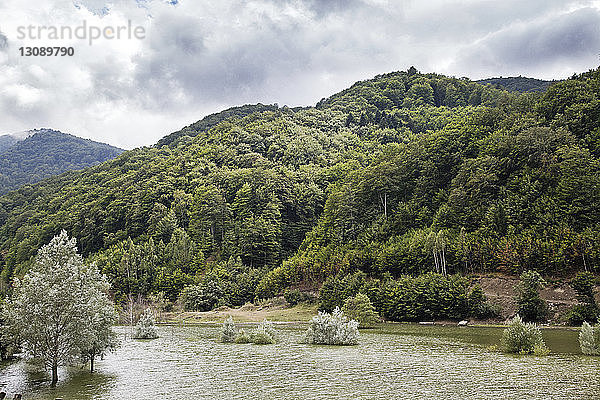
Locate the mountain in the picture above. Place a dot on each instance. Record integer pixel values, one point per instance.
(518, 84)
(6, 141)
(31, 156)
(377, 178)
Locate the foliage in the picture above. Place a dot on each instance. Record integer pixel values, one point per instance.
(264, 333)
(530, 306)
(587, 309)
(479, 305)
(523, 338)
(361, 182)
(60, 308)
(426, 297)
(332, 329)
(295, 296)
(48, 153)
(517, 84)
(228, 331)
(338, 288)
(589, 339)
(145, 328)
(359, 308)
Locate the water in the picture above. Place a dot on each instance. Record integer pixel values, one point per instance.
(398, 361)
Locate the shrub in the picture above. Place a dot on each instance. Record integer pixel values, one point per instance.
(523, 338)
(228, 331)
(201, 297)
(587, 309)
(263, 334)
(243, 337)
(580, 313)
(332, 329)
(589, 339)
(530, 306)
(295, 296)
(336, 289)
(145, 328)
(426, 297)
(359, 308)
(479, 305)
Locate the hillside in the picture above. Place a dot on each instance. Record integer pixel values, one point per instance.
(519, 84)
(45, 153)
(253, 200)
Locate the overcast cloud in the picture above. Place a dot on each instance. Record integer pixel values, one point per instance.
(201, 56)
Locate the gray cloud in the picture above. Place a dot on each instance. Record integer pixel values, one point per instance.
(201, 56)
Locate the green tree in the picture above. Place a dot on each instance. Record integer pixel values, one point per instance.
(530, 306)
(60, 308)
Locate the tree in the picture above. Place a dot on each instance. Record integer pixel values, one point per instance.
(360, 309)
(60, 308)
(530, 306)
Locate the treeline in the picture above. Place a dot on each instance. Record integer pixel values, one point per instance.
(403, 174)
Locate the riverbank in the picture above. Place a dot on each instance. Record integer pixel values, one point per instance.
(499, 289)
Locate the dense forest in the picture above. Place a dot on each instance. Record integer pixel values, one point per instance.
(519, 84)
(45, 153)
(405, 173)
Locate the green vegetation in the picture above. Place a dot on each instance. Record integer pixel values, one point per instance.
(589, 339)
(523, 338)
(295, 296)
(529, 303)
(587, 309)
(264, 333)
(47, 153)
(332, 329)
(228, 331)
(60, 310)
(145, 328)
(519, 84)
(359, 308)
(396, 177)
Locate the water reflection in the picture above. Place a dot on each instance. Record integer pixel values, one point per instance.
(396, 361)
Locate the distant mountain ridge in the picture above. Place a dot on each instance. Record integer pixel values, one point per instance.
(518, 84)
(30, 156)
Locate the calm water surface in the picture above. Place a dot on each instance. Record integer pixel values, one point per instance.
(393, 362)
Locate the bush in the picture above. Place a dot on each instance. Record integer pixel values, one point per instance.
(426, 297)
(201, 297)
(243, 337)
(228, 331)
(530, 306)
(587, 309)
(359, 308)
(332, 329)
(523, 338)
(295, 296)
(263, 334)
(589, 339)
(145, 328)
(479, 305)
(336, 289)
(580, 313)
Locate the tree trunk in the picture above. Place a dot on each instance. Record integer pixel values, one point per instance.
(54, 375)
(92, 356)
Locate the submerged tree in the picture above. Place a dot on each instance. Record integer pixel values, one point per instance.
(589, 339)
(60, 309)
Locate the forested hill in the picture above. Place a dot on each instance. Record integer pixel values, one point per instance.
(247, 204)
(44, 153)
(519, 84)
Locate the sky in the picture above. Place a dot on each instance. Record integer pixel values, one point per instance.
(196, 57)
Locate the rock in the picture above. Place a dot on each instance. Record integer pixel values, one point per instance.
(463, 323)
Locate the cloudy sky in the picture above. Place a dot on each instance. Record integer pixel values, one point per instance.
(198, 57)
